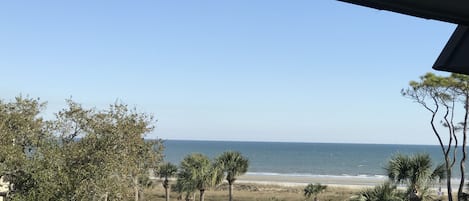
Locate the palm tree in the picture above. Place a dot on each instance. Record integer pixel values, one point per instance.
(313, 190)
(185, 185)
(167, 170)
(197, 172)
(416, 171)
(233, 164)
(383, 192)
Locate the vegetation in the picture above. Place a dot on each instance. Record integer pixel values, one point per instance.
(441, 96)
(166, 171)
(197, 173)
(83, 154)
(417, 172)
(312, 190)
(262, 192)
(269, 192)
(384, 192)
(233, 165)
(90, 154)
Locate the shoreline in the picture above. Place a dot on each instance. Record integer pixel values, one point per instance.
(287, 180)
(353, 183)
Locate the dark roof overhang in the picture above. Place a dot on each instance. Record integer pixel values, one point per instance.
(453, 11)
(455, 55)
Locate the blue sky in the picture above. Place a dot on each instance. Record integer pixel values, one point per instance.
(307, 71)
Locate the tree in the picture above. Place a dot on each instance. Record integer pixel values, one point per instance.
(313, 190)
(441, 96)
(106, 149)
(460, 86)
(22, 138)
(82, 154)
(233, 164)
(166, 171)
(185, 185)
(383, 192)
(197, 173)
(416, 171)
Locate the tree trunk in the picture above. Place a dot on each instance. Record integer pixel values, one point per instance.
(230, 190)
(136, 188)
(464, 150)
(166, 188)
(141, 195)
(448, 177)
(166, 193)
(448, 184)
(202, 195)
(443, 149)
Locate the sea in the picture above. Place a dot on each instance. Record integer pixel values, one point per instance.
(305, 159)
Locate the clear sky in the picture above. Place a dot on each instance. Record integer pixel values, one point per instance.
(303, 71)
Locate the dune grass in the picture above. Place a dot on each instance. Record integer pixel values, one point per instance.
(257, 192)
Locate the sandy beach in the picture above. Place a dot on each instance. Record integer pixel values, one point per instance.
(352, 182)
(286, 180)
(254, 186)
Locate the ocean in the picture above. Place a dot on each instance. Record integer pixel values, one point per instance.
(305, 159)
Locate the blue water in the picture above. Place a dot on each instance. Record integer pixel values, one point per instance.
(308, 159)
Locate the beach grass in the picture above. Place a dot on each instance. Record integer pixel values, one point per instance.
(258, 192)
(276, 188)
(263, 191)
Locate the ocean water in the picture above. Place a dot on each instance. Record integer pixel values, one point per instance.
(304, 159)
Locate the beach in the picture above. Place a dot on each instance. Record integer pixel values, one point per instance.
(287, 180)
(260, 187)
(281, 171)
(256, 187)
(268, 188)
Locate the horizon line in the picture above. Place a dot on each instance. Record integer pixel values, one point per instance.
(278, 141)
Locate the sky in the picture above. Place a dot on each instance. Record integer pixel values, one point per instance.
(289, 71)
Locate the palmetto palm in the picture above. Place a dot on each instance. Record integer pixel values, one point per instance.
(197, 173)
(416, 171)
(166, 171)
(383, 192)
(313, 190)
(233, 164)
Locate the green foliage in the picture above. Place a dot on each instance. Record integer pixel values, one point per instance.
(312, 190)
(22, 135)
(197, 173)
(84, 154)
(447, 99)
(232, 164)
(167, 170)
(384, 192)
(416, 171)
